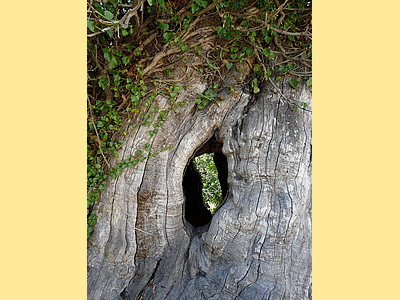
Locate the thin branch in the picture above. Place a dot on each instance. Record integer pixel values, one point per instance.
(90, 5)
(305, 33)
(121, 23)
(97, 134)
(101, 31)
(291, 102)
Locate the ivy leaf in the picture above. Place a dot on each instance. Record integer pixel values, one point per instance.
(110, 32)
(229, 65)
(281, 68)
(162, 4)
(107, 54)
(249, 52)
(113, 63)
(168, 36)
(151, 2)
(108, 15)
(195, 8)
(125, 60)
(266, 52)
(103, 82)
(268, 73)
(309, 81)
(293, 83)
(163, 26)
(124, 32)
(90, 25)
(256, 89)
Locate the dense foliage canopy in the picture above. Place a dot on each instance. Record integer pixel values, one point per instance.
(137, 49)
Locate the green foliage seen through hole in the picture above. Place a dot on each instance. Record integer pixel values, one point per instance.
(212, 194)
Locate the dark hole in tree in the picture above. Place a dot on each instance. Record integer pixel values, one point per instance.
(196, 211)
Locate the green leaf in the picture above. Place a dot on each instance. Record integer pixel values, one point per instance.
(124, 32)
(125, 60)
(107, 54)
(108, 15)
(151, 2)
(309, 81)
(168, 36)
(90, 25)
(249, 52)
(229, 65)
(281, 68)
(163, 26)
(256, 68)
(113, 63)
(291, 66)
(201, 3)
(268, 73)
(195, 8)
(110, 32)
(162, 4)
(293, 83)
(256, 89)
(103, 82)
(266, 52)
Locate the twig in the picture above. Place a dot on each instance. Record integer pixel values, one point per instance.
(305, 33)
(121, 23)
(101, 31)
(161, 55)
(97, 134)
(204, 10)
(291, 102)
(143, 45)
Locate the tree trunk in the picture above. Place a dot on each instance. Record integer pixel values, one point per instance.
(257, 244)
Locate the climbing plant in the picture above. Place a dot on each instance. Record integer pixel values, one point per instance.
(139, 49)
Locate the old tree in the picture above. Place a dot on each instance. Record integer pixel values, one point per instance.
(168, 81)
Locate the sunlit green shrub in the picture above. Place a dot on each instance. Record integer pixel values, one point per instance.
(212, 194)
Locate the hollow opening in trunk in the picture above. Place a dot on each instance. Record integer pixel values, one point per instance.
(205, 183)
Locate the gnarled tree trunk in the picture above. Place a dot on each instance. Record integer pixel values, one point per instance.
(257, 244)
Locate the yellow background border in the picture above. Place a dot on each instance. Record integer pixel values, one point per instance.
(355, 143)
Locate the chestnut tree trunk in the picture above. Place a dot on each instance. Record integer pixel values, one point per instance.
(256, 245)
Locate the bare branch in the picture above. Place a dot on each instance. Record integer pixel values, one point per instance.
(305, 33)
(291, 102)
(101, 31)
(121, 23)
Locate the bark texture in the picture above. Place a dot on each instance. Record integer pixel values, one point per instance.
(258, 242)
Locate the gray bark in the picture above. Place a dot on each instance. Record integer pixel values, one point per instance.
(258, 243)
